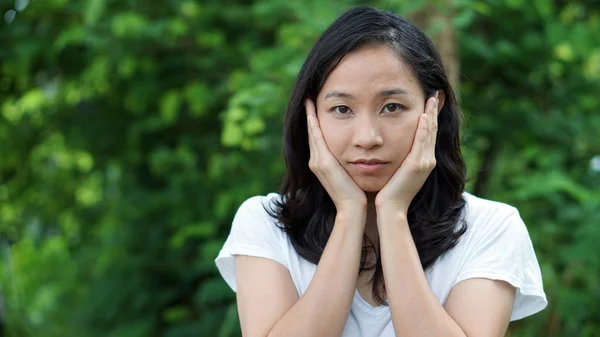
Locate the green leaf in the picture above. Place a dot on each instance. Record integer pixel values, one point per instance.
(169, 106)
(128, 24)
(254, 125)
(94, 11)
(231, 135)
(200, 230)
(564, 51)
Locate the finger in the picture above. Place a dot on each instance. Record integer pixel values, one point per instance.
(421, 137)
(310, 125)
(310, 107)
(424, 136)
(430, 111)
(315, 129)
(433, 117)
(436, 111)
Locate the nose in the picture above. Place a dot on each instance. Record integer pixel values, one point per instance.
(367, 132)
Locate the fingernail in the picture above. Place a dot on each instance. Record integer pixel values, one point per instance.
(437, 94)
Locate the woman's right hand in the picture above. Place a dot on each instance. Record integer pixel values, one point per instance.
(344, 192)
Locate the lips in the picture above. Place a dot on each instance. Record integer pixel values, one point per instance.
(369, 166)
(368, 161)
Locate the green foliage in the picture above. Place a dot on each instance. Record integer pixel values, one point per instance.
(530, 93)
(131, 131)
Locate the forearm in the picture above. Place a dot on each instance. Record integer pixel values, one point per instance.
(414, 308)
(324, 308)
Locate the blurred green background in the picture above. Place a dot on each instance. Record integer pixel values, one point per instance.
(130, 132)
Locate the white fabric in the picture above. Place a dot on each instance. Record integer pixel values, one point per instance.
(496, 246)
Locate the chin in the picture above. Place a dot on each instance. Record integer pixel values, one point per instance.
(370, 184)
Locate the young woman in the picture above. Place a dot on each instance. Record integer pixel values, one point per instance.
(372, 233)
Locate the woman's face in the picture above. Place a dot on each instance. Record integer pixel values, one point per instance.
(368, 111)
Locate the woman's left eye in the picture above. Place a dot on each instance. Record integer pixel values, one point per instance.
(392, 107)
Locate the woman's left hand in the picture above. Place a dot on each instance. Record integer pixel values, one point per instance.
(418, 164)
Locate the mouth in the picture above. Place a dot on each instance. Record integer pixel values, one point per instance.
(369, 166)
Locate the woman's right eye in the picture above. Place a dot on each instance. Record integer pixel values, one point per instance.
(342, 109)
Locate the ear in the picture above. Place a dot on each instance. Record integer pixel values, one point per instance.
(442, 98)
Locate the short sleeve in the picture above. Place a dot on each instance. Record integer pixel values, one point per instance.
(253, 233)
(502, 250)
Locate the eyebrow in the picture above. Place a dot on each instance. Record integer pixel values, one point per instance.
(384, 93)
(392, 92)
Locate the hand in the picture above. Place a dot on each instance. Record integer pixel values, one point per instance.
(418, 164)
(344, 192)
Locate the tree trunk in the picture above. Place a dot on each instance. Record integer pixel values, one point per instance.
(444, 40)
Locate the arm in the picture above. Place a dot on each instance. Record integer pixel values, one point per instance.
(268, 303)
(475, 307)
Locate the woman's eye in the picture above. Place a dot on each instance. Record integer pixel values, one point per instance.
(341, 109)
(392, 107)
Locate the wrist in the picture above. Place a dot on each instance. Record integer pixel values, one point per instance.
(392, 209)
(349, 213)
(352, 212)
(352, 207)
(387, 203)
(391, 214)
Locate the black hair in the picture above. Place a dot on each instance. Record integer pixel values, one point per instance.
(306, 212)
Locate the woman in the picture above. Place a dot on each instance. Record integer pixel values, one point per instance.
(372, 233)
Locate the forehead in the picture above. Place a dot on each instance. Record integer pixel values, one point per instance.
(370, 69)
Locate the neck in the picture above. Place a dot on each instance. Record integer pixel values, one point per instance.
(371, 225)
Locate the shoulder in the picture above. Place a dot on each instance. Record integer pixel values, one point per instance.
(259, 204)
(254, 232)
(484, 216)
(255, 217)
(497, 246)
(480, 208)
(495, 230)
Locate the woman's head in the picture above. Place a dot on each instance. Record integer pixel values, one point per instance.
(370, 74)
(384, 62)
(368, 109)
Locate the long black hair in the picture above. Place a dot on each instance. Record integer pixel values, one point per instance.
(305, 210)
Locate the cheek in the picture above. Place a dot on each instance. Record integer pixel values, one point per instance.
(402, 145)
(335, 136)
(402, 132)
(400, 138)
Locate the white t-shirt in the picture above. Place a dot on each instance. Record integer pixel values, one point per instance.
(496, 246)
